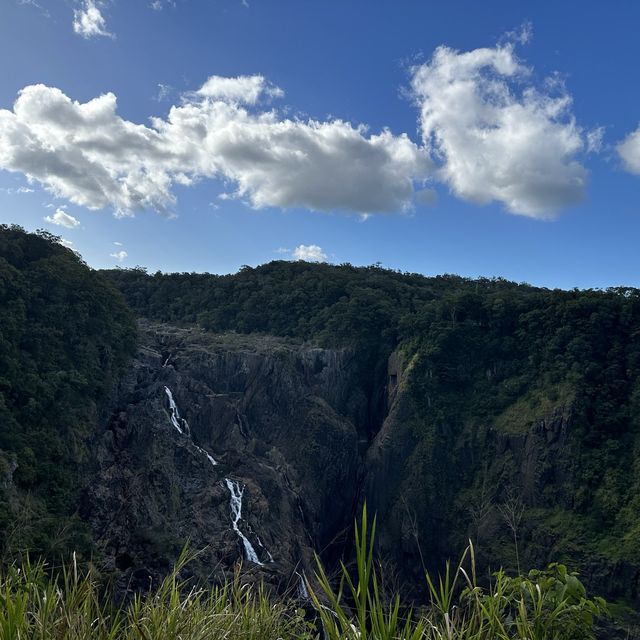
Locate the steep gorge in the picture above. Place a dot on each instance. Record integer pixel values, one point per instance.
(244, 446)
(260, 410)
(258, 449)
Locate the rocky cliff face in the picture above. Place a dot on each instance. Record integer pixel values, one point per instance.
(257, 450)
(246, 448)
(433, 491)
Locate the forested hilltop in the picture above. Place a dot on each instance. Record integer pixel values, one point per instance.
(458, 409)
(369, 309)
(522, 400)
(65, 336)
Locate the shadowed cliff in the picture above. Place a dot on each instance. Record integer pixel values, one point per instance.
(261, 409)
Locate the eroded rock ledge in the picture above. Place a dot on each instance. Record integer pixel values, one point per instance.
(273, 420)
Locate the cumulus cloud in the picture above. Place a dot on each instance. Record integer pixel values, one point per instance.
(119, 255)
(164, 92)
(62, 219)
(496, 136)
(158, 5)
(11, 190)
(310, 253)
(89, 22)
(88, 154)
(241, 89)
(595, 140)
(427, 196)
(629, 151)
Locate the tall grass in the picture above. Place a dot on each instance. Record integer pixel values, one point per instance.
(35, 606)
(544, 605)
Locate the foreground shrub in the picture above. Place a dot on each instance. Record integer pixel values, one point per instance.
(543, 605)
(34, 606)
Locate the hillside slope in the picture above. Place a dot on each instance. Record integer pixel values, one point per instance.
(493, 408)
(65, 335)
(457, 408)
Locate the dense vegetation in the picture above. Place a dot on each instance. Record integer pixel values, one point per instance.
(490, 362)
(539, 606)
(65, 334)
(364, 308)
(492, 365)
(487, 362)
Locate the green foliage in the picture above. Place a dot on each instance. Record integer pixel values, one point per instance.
(65, 335)
(542, 605)
(358, 608)
(69, 605)
(364, 308)
(533, 392)
(491, 361)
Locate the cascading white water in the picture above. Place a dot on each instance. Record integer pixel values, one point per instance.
(303, 593)
(266, 550)
(236, 492)
(176, 420)
(206, 453)
(236, 515)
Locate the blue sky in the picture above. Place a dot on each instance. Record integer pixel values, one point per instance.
(510, 166)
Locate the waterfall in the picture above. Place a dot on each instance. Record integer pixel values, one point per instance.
(176, 420)
(303, 593)
(265, 549)
(236, 515)
(206, 453)
(235, 490)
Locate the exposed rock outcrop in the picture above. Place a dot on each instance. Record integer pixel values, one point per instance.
(273, 420)
(266, 455)
(435, 490)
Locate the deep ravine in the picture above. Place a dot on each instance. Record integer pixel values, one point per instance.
(244, 448)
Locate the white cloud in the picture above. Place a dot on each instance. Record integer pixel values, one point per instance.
(629, 151)
(427, 196)
(86, 153)
(119, 255)
(62, 219)
(65, 243)
(242, 89)
(164, 92)
(496, 136)
(118, 244)
(158, 5)
(282, 250)
(522, 35)
(595, 140)
(89, 22)
(11, 190)
(310, 253)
